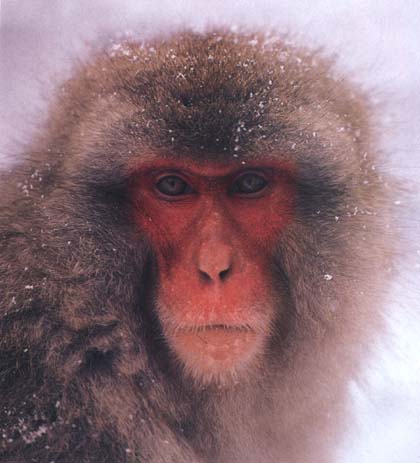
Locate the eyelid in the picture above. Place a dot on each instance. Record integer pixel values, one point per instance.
(157, 176)
(260, 173)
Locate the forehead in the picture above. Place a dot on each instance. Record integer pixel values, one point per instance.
(204, 92)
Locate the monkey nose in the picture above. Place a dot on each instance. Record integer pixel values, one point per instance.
(215, 263)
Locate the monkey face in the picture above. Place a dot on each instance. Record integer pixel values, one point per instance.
(217, 193)
(212, 229)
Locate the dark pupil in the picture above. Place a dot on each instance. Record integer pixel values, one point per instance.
(171, 186)
(250, 183)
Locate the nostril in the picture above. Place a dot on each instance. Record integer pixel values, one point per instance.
(205, 277)
(224, 274)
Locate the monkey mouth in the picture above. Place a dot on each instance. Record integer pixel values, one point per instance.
(215, 351)
(216, 327)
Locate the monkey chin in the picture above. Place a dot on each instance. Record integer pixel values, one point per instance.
(217, 354)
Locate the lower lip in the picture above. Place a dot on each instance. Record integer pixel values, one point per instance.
(220, 344)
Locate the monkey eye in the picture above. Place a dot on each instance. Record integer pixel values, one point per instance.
(172, 185)
(248, 184)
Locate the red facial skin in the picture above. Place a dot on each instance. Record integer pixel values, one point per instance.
(213, 246)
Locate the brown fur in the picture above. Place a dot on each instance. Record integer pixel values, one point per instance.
(84, 373)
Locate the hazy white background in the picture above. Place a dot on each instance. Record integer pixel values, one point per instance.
(377, 41)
